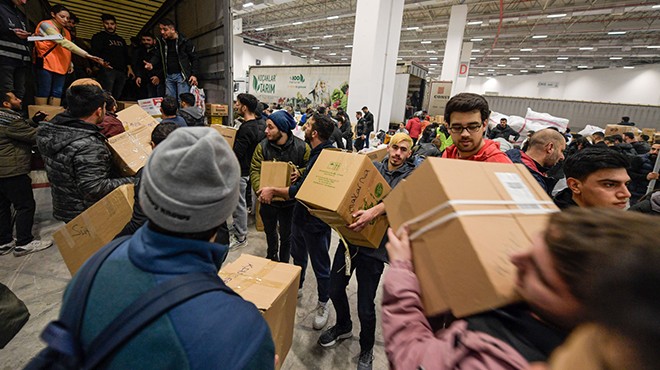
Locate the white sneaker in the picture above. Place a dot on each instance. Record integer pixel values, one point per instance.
(7, 248)
(237, 243)
(31, 247)
(321, 317)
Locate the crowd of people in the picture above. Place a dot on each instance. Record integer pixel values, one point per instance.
(592, 272)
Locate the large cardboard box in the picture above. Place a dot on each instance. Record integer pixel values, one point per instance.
(275, 174)
(217, 110)
(229, 133)
(466, 229)
(273, 288)
(338, 185)
(649, 131)
(134, 117)
(50, 110)
(377, 154)
(216, 120)
(619, 130)
(132, 148)
(97, 226)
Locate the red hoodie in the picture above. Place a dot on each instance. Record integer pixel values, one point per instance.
(490, 152)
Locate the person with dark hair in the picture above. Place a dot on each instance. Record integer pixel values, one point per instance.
(112, 48)
(176, 58)
(360, 130)
(414, 127)
(52, 59)
(138, 218)
(78, 161)
(174, 243)
(625, 121)
(641, 173)
(546, 149)
(640, 146)
(467, 117)
(148, 82)
(168, 109)
(111, 125)
(337, 137)
(599, 139)
(596, 177)
(344, 124)
(251, 132)
(17, 137)
(368, 125)
(504, 131)
(282, 146)
(192, 114)
(14, 47)
(622, 146)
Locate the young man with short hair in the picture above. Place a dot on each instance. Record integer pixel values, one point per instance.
(596, 177)
(504, 131)
(192, 114)
(467, 117)
(641, 172)
(148, 82)
(545, 149)
(368, 125)
(108, 45)
(168, 109)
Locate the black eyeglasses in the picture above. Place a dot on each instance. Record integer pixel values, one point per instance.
(472, 128)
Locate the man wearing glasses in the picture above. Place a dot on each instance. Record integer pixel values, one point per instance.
(467, 116)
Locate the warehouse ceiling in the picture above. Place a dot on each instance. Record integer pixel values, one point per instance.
(509, 37)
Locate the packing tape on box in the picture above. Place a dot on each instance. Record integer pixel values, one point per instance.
(532, 208)
(249, 280)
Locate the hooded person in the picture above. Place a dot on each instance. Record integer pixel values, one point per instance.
(175, 241)
(192, 114)
(282, 146)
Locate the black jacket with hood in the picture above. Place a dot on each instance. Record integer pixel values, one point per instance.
(188, 59)
(78, 164)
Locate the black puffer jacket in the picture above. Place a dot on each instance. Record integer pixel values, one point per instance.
(78, 164)
(16, 141)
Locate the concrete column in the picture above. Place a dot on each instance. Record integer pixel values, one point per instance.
(463, 69)
(373, 65)
(451, 60)
(237, 56)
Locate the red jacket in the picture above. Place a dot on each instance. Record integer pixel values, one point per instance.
(490, 152)
(410, 342)
(111, 126)
(414, 127)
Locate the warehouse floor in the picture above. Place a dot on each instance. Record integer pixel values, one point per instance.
(39, 280)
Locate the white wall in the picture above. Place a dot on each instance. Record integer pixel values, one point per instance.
(245, 55)
(629, 86)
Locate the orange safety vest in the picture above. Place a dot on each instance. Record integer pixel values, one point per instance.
(59, 59)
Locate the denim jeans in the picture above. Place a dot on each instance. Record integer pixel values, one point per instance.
(175, 85)
(240, 214)
(368, 272)
(113, 81)
(316, 245)
(12, 78)
(16, 190)
(49, 84)
(272, 215)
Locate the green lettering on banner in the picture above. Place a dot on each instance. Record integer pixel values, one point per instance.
(264, 84)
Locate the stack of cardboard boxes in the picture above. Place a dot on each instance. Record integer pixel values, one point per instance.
(217, 114)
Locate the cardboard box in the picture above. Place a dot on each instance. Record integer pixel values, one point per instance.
(619, 130)
(216, 120)
(338, 185)
(463, 264)
(273, 288)
(51, 110)
(134, 117)
(650, 132)
(151, 105)
(229, 133)
(132, 148)
(97, 226)
(123, 104)
(275, 174)
(376, 155)
(217, 110)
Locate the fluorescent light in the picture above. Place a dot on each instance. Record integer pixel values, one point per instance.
(653, 47)
(433, 64)
(559, 71)
(562, 58)
(286, 51)
(473, 58)
(297, 23)
(501, 65)
(540, 66)
(557, 15)
(616, 33)
(316, 47)
(333, 54)
(431, 69)
(433, 58)
(247, 5)
(526, 49)
(616, 58)
(481, 74)
(327, 36)
(523, 71)
(399, 58)
(514, 58)
(261, 44)
(332, 17)
(473, 23)
(259, 29)
(289, 40)
(509, 74)
(476, 50)
(655, 6)
(303, 56)
(587, 48)
(348, 46)
(412, 28)
(344, 58)
(471, 77)
(426, 42)
(491, 70)
(628, 67)
(430, 52)
(475, 40)
(583, 67)
(316, 60)
(539, 36)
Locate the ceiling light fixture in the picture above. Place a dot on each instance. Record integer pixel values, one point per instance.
(562, 15)
(481, 74)
(523, 71)
(327, 36)
(583, 67)
(303, 56)
(316, 47)
(259, 29)
(426, 42)
(430, 52)
(476, 40)
(540, 36)
(628, 67)
(433, 64)
(491, 70)
(526, 49)
(296, 23)
(317, 60)
(653, 47)
(540, 66)
(655, 6)
(247, 5)
(501, 65)
(474, 23)
(290, 40)
(286, 51)
(509, 74)
(473, 58)
(616, 58)
(476, 50)
(616, 33)
(514, 58)
(586, 48)
(332, 54)
(261, 44)
(412, 28)
(332, 17)
(433, 58)
(348, 46)
(559, 71)
(562, 58)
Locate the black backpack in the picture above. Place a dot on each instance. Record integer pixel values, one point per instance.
(64, 350)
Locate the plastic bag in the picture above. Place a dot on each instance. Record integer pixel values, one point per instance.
(200, 97)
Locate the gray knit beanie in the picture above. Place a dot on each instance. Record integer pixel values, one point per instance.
(191, 181)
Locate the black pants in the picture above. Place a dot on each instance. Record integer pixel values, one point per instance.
(16, 191)
(113, 81)
(271, 215)
(368, 272)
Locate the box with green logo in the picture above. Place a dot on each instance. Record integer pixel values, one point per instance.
(340, 184)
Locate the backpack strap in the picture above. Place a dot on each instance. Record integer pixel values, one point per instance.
(62, 335)
(146, 309)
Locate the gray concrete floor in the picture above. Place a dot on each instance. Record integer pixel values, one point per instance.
(39, 280)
